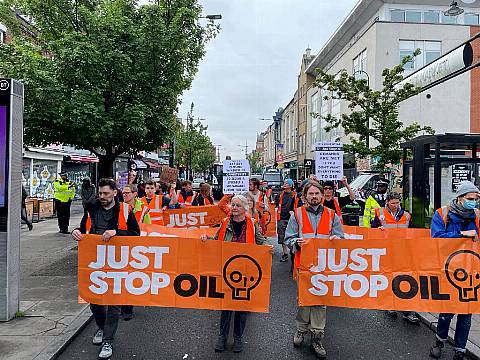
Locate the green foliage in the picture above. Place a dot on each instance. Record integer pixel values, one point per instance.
(113, 73)
(19, 314)
(193, 147)
(373, 114)
(255, 160)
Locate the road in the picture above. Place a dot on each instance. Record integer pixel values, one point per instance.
(168, 333)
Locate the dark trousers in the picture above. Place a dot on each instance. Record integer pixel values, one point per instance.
(239, 321)
(464, 321)
(23, 215)
(127, 309)
(63, 214)
(106, 317)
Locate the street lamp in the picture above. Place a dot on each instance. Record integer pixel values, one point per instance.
(211, 17)
(454, 10)
(363, 75)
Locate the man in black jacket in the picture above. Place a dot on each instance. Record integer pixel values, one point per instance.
(104, 217)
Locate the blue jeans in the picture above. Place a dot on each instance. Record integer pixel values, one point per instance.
(239, 321)
(464, 321)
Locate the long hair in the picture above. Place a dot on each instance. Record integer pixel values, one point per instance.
(205, 190)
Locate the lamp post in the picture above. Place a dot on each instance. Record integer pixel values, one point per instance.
(363, 75)
(190, 132)
(212, 17)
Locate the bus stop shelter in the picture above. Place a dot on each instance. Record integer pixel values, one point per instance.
(433, 166)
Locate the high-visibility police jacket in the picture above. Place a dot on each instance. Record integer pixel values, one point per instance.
(155, 208)
(141, 212)
(369, 212)
(253, 234)
(187, 201)
(387, 220)
(64, 191)
(306, 230)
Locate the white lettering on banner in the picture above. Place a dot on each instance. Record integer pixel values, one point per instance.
(136, 257)
(329, 160)
(195, 220)
(353, 285)
(236, 176)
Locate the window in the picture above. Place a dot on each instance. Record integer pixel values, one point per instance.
(430, 50)
(431, 17)
(397, 15)
(448, 19)
(360, 62)
(314, 108)
(471, 19)
(413, 16)
(324, 111)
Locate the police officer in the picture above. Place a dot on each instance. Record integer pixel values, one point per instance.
(64, 194)
(375, 201)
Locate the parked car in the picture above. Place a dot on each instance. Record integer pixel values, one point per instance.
(274, 180)
(196, 183)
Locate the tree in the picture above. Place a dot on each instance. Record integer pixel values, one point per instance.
(374, 114)
(255, 160)
(104, 75)
(194, 148)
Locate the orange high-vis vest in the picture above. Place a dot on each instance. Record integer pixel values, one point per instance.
(306, 231)
(125, 210)
(206, 201)
(156, 209)
(337, 206)
(140, 214)
(443, 212)
(188, 201)
(280, 203)
(388, 221)
(259, 203)
(250, 233)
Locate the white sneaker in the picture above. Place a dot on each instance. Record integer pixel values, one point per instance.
(98, 337)
(106, 351)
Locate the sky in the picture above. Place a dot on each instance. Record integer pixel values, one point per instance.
(251, 67)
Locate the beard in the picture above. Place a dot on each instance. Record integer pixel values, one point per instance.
(105, 202)
(314, 202)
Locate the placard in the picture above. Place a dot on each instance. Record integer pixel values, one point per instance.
(169, 175)
(236, 174)
(460, 173)
(329, 160)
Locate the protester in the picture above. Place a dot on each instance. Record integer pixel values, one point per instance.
(186, 195)
(87, 193)
(254, 213)
(311, 221)
(204, 197)
(459, 219)
(141, 211)
(141, 189)
(285, 202)
(156, 203)
(158, 188)
(108, 218)
(375, 201)
(393, 216)
(337, 203)
(238, 227)
(23, 213)
(260, 198)
(224, 203)
(64, 193)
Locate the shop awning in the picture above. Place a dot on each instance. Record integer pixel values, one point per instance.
(140, 164)
(152, 164)
(82, 158)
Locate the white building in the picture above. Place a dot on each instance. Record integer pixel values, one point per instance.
(376, 35)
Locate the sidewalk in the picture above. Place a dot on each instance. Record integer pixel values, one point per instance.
(51, 314)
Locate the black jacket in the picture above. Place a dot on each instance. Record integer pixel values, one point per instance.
(133, 229)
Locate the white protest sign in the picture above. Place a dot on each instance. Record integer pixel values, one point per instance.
(236, 174)
(329, 160)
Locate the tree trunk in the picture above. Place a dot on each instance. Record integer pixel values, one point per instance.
(105, 166)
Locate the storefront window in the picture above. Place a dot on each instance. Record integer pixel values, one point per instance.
(26, 174)
(76, 172)
(42, 178)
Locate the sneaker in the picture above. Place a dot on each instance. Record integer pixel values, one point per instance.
(220, 344)
(317, 346)
(392, 313)
(30, 227)
(412, 318)
(298, 338)
(284, 258)
(459, 355)
(237, 345)
(106, 351)
(127, 316)
(98, 337)
(436, 350)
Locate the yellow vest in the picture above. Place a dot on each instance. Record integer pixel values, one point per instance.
(64, 191)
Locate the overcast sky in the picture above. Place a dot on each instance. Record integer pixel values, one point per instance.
(251, 67)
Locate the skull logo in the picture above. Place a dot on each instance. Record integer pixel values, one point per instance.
(467, 281)
(242, 274)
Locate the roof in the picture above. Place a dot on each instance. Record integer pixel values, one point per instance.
(446, 141)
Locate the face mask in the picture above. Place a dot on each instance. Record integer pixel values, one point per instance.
(469, 204)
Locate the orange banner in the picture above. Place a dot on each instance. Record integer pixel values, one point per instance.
(174, 272)
(396, 269)
(272, 223)
(159, 230)
(194, 217)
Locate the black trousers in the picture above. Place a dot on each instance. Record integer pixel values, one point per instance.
(63, 214)
(23, 215)
(239, 322)
(106, 318)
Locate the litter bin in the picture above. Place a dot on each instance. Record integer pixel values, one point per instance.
(351, 214)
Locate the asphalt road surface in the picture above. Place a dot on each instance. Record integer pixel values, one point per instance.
(168, 333)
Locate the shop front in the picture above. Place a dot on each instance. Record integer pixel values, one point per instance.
(78, 167)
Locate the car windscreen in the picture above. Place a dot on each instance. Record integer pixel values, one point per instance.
(359, 181)
(272, 178)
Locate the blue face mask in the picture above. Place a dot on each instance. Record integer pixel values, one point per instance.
(469, 204)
